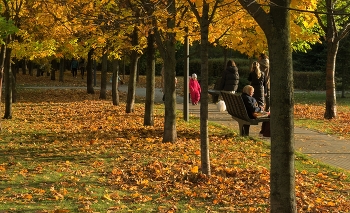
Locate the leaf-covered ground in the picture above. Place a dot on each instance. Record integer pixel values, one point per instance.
(67, 151)
(311, 116)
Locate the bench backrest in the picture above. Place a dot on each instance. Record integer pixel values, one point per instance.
(235, 105)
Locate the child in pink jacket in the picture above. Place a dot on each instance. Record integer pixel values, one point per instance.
(195, 89)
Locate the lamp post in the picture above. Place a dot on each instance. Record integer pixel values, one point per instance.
(186, 74)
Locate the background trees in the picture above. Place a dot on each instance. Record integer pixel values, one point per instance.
(275, 22)
(335, 26)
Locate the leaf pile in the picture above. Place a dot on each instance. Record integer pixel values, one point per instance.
(65, 151)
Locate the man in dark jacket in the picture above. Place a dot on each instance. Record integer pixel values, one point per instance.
(249, 102)
(230, 78)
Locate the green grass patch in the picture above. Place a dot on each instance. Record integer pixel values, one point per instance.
(319, 97)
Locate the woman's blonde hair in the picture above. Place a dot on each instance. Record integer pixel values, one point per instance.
(256, 68)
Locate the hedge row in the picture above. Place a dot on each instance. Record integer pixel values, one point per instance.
(302, 80)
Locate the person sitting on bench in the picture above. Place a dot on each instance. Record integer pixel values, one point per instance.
(250, 102)
(252, 108)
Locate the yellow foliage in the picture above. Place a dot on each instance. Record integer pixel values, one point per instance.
(194, 169)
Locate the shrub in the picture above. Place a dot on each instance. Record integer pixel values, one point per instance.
(309, 80)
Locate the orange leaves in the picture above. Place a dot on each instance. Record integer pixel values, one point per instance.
(27, 197)
(308, 111)
(194, 169)
(78, 152)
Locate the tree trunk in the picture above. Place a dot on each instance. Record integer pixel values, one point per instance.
(225, 60)
(150, 81)
(2, 62)
(123, 69)
(167, 51)
(54, 67)
(205, 160)
(89, 74)
(62, 68)
(130, 100)
(24, 66)
(48, 69)
(13, 85)
(115, 83)
(30, 68)
(282, 174)
(38, 71)
(8, 81)
(282, 177)
(15, 66)
(333, 37)
(332, 48)
(331, 108)
(276, 26)
(103, 93)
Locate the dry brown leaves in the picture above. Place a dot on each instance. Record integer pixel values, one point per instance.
(66, 145)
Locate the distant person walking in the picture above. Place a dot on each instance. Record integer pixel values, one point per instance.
(229, 78)
(74, 67)
(265, 67)
(195, 89)
(257, 81)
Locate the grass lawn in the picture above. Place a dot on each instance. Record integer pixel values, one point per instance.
(67, 151)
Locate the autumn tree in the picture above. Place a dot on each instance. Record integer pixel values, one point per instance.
(115, 81)
(165, 38)
(6, 28)
(226, 24)
(11, 13)
(130, 100)
(336, 25)
(274, 20)
(204, 15)
(150, 79)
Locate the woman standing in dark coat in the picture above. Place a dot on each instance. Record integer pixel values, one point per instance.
(230, 78)
(257, 80)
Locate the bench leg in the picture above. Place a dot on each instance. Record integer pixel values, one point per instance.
(244, 130)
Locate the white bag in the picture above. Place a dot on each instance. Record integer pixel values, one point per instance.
(221, 106)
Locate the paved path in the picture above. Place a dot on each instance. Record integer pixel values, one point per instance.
(327, 149)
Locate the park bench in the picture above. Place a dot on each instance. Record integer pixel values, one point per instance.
(235, 107)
